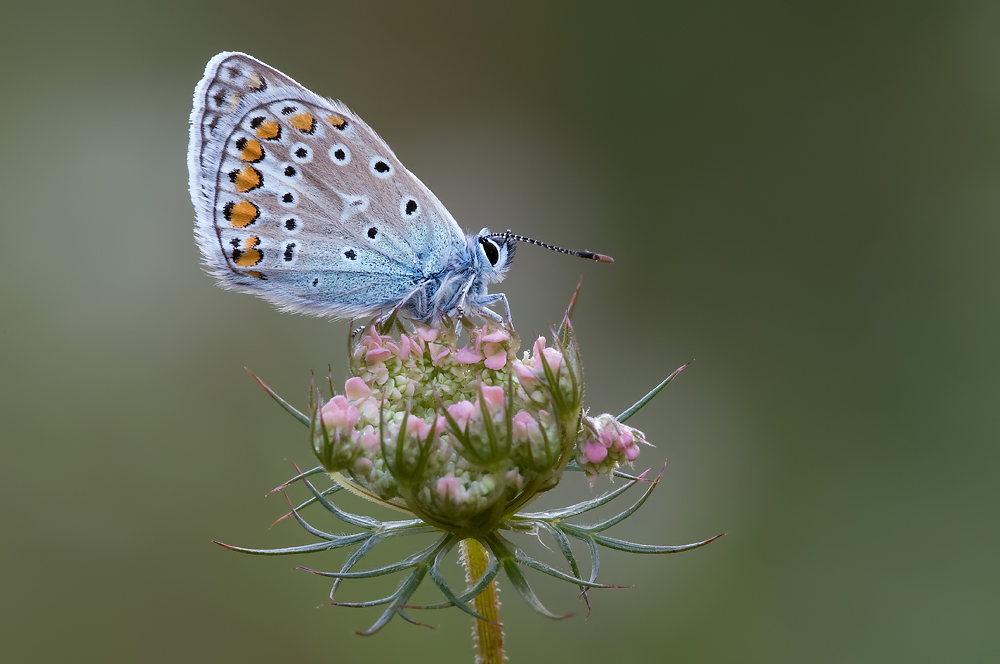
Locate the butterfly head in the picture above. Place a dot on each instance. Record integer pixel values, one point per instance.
(492, 254)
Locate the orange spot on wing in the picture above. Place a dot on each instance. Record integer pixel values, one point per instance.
(259, 275)
(304, 122)
(334, 120)
(252, 151)
(250, 255)
(246, 179)
(241, 214)
(268, 130)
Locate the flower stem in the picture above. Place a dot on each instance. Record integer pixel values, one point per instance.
(487, 637)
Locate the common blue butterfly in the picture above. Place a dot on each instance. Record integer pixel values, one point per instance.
(300, 202)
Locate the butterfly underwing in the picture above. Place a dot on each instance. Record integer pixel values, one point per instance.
(298, 201)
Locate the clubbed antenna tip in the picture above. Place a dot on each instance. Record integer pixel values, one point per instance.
(600, 258)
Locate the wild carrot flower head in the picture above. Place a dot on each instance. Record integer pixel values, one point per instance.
(462, 436)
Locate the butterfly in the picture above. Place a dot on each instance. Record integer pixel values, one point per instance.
(297, 200)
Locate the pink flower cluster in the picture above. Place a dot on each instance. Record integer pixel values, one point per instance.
(450, 488)
(426, 423)
(465, 412)
(353, 446)
(531, 369)
(376, 353)
(607, 444)
(348, 432)
(487, 347)
(426, 363)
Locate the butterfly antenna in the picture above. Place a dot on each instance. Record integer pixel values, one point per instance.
(600, 258)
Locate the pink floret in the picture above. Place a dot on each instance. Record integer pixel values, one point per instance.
(357, 389)
(524, 374)
(553, 358)
(436, 360)
(363, 467)
(339, 414)
(466, 355)
(378, 355)
(539, 346)
(496, 337)
(595, 452)
(449, 487)
(428, 333)
(404, 347)
(496, 356)
(523, 418)
(369, 441)
(524, 426)
(461, 412)
(494, 397)
(417, 426)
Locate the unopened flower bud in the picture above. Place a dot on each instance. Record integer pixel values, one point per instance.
(605, 444)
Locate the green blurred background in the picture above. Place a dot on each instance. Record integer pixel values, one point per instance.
(802, 197)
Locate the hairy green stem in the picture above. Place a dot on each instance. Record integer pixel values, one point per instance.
(487, 637)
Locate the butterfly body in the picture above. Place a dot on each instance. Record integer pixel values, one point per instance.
(298, 201)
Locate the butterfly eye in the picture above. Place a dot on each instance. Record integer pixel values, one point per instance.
(492, 252)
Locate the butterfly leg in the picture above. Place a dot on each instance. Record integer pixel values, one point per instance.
(383, 322)
(459, 317)
(482, 309)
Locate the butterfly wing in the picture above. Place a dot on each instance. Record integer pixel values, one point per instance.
(300, 202)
